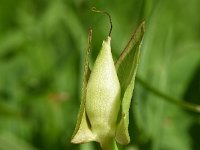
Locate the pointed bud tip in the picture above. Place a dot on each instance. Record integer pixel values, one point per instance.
(107, 42)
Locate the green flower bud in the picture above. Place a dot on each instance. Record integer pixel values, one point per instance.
(103, 95)
(107, 89)
(102, 101)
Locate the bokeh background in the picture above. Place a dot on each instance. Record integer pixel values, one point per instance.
(42, 49)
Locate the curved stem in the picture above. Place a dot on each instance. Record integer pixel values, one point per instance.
(179, 102)
(105, 12)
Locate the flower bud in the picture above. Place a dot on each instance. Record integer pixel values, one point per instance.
(103, 95)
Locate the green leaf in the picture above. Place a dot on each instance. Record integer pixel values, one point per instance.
(82, 133)
(126, 67)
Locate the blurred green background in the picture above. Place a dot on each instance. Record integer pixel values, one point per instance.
(42, 49)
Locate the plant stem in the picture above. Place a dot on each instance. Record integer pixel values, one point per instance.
(179, 102)
(109, 145)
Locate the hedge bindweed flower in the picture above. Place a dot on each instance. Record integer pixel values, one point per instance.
(107, 93)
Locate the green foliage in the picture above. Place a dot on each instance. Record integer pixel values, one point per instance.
(42, 49)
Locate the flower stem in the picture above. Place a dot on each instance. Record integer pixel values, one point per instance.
(179, 102)
(109, 145)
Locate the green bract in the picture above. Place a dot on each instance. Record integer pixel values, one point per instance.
(107, 93)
